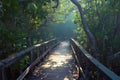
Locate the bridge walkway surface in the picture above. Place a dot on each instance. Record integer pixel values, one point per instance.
(59, 65)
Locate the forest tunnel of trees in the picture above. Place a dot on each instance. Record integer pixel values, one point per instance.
(94, 23)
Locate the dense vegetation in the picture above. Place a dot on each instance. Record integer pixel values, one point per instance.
(102, 17)
(22, 23)
(20, 27)
(19, 21)
(103, 20)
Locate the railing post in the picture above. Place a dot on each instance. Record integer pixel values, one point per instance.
(31, 57)
(38, 51)
(43, 48)
(87, 70)
(31, 60)
(2, 74)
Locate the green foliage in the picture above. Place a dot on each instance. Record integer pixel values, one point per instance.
(20, 20)
(103, 18)
(22, 64)
(17, 21)
(63, 10)
(82, 38)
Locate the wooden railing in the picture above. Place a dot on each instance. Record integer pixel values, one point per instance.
(34, 53)
(90, 68)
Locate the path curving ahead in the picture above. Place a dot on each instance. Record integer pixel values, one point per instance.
(58, 66)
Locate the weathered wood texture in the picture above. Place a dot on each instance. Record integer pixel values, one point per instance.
(81, 73)
(87, 59)
(34, 52)
(34, 63)
(59, 65)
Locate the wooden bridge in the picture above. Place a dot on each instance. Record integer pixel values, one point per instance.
(54, 60)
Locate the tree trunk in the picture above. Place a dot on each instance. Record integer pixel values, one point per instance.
(85, 27)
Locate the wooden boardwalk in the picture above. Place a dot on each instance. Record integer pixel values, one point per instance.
(58, 66)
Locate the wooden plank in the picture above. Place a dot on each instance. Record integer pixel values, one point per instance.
(78, 63)
(14, 58)
(111, 75)
(34, 63)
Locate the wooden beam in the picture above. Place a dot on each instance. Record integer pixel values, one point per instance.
(21, 77)
(13, 58)
(111, 75)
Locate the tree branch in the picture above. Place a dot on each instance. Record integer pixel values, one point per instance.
(85, 27)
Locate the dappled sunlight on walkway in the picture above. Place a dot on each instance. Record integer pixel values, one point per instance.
(58, 66)
(60, 57)
(57, 60)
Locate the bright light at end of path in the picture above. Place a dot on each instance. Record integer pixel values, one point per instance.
(66, 79)
(64, 44)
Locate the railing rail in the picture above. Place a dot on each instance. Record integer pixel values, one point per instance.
(33, 52)
(88, 60)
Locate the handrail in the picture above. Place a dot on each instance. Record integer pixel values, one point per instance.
(111, 75)
(13, 58)
(21, 77)
(80, 70)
